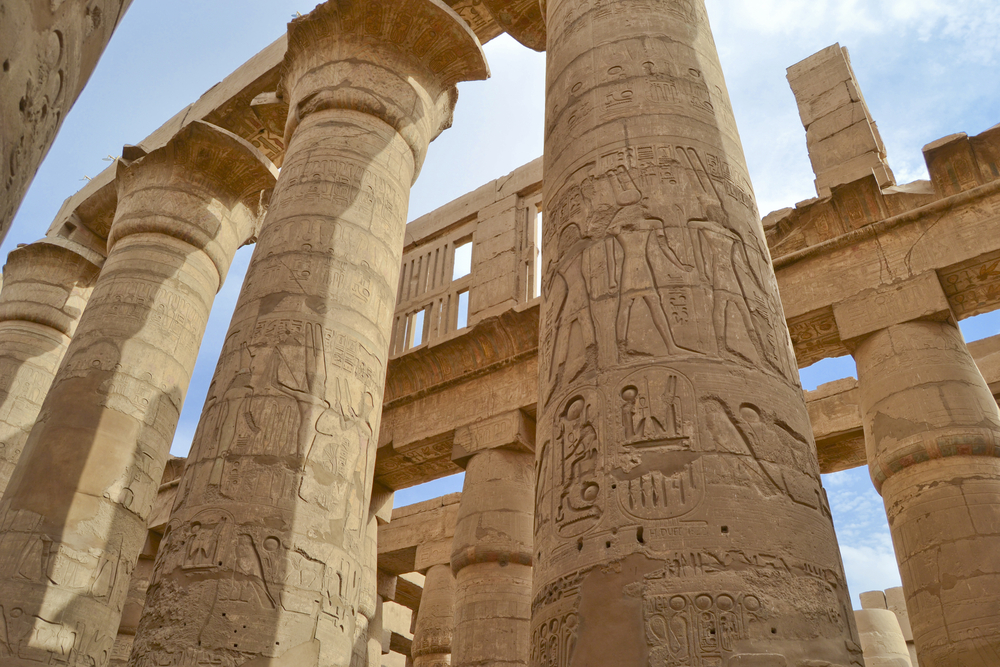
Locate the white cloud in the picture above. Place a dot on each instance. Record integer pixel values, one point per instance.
(869, 568)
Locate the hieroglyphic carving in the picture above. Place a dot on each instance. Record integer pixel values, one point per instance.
(653, 246)
(286, 444)
(653, 242)
(553, 642)
(815, 337)
(973, 287)
(577, 465)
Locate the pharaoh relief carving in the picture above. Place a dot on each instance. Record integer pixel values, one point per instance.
(644, 241)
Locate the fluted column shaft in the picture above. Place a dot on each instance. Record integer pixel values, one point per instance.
(932, 430)
(435, 626)
(680, 517)
(264, 555)
(73, 519)
(491, 560)
(46, 286)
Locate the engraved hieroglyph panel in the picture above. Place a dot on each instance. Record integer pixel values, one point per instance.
(672, 433)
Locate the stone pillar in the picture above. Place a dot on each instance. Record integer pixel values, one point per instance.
(277, 487)
(46, 286)
(135, 600)
(679, 516)
(73, 519)
(491, 552)
(932, 431)
(435, 624)
(48, 48)
(368, 596)
(881, 638)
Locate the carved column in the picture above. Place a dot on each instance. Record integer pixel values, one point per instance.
(73, 519)
(46, 286)
(435, 626)
(367, 598)
(48, 51)
(277, 487)
(932, 431)
(679, 516)
(491, 550)
(881, 638)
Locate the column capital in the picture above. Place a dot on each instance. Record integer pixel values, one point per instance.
(209, 185)
(396, 61)
(524, 20)
(48, 282)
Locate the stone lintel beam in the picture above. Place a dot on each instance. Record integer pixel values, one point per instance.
(481, 372)
(90, 211)
(919, 297)
(827, 250)
(409, 588)
(521, 19)
(512, 430)
(400, 643)
(413, 538)
(89, 475)
(959, 248)
(836, 421)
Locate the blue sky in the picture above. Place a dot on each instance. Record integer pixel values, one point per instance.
(928, 68)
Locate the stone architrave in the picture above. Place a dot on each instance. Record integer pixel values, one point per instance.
(46, 286)
(263, 557)
(932, 434)
(679, 516)
(491, 560)
(73, 519)
(435, 625)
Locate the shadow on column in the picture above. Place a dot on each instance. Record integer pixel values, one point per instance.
(73, 519)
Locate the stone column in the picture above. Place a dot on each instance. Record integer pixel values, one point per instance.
(368, 596)
(48, 51)
(435, 625)
(46, 286)
(679, 515)
(73, 519)
(135, 600)
(932, 431)
(263, 556)
(881, 638)
(491, 551)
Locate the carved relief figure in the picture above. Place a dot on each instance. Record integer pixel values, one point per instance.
(781, 459)
(643, 246)
(656, 410)
(574, 329)
(579, 471)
